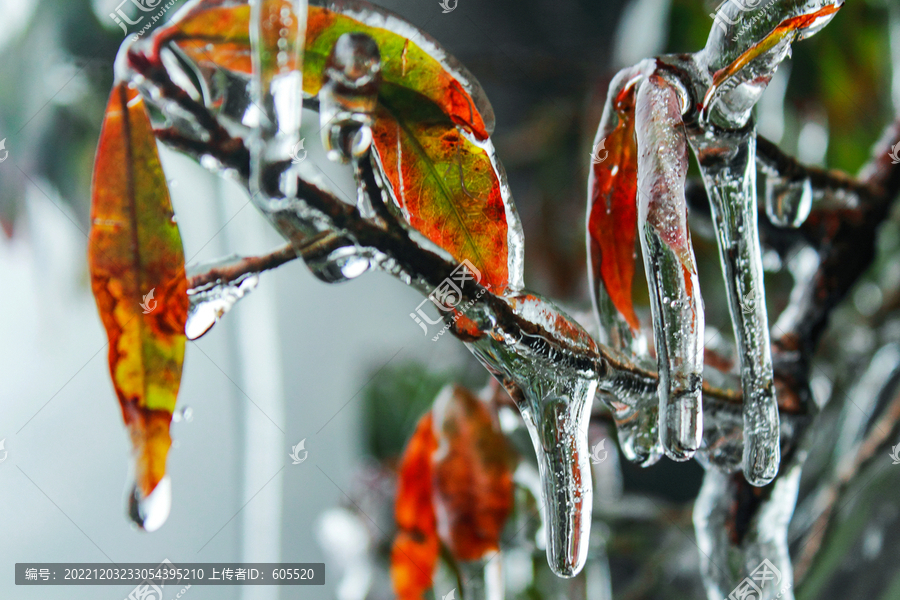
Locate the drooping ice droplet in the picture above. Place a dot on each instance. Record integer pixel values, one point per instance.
(150, 512)
(553, 390)
(349, 96)
(210, 303)
(637, 427)
(788, 203)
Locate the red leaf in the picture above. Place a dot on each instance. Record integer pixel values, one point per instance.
(473, 469)
(415, 552)
(612, 208)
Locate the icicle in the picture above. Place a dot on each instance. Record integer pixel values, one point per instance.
(727, 564)
(277, 36)
(729, 171)
(723, 436)
(482, 579)
(676, 303)
(151, 512)
(788, 203)
(555, 402)
(209, 304)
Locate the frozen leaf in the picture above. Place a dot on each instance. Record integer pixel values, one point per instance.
(670, 266)
(744, 54)
(138, 279)
(431, 128)
(612, 201)
(416, 547)
(450, 188)
(412, 62)
(473, 469)
(212, 32)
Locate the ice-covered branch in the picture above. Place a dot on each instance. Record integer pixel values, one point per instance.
(241, 266)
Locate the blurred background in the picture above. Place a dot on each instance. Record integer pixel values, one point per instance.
(343, 367)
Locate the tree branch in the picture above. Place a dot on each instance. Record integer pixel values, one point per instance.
(238, 268)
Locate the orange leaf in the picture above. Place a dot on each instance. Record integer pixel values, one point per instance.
(786, 32)
(216, 32)
(473, 469)
(449, 189)
(612, 210)
(137, 276)
(448, 186)
(415, 552)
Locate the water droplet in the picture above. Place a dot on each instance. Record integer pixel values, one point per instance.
(151, 513)
(208, 305)
(788, 203)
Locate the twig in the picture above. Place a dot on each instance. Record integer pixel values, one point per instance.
(242, 266)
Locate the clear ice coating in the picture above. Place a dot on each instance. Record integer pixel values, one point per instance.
(669, 262)
(151, 512)
(554, 399)
(724, 563)
(728, 166)
(637, 426)
(277, 38)
(349, 96)
(788, 203)
(209, 303)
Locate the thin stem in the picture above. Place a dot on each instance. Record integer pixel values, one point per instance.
(242, 266)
